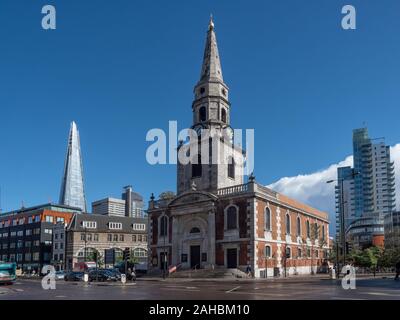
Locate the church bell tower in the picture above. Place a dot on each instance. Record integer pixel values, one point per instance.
(211, 111)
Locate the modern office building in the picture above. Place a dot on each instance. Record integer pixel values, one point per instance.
(59, 237)
(368, 189)
(26, 235)
(131, 205)
(72, 185)
(89, 233)
(392, 230)
(109, 206)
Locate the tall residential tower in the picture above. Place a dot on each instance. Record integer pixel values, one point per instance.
(72, 186)
(369, 195)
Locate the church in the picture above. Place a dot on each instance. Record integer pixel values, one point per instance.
(219, 220)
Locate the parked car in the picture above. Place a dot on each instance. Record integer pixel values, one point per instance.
(115, 272)
(74, 276)
(102, 275)
(60, 275)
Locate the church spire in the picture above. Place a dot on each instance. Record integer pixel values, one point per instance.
(211, 69)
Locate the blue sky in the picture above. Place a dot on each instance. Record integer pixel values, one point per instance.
(121, 68)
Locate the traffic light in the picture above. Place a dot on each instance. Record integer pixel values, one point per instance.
(127, 254)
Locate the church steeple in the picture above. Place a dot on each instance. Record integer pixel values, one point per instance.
(211, 69)
(211, 105)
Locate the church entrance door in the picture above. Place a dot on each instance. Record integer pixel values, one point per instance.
(231, 257)
(195, 257)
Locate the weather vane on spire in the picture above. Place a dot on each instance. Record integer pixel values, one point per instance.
(211, 22)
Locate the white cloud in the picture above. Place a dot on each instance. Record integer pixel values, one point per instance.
(313, 190)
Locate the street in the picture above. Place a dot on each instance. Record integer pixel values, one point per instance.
(180, 289)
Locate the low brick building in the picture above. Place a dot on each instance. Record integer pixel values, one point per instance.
(89, 233)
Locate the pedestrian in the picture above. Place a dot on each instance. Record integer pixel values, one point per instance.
(397, 271)
(248, 271)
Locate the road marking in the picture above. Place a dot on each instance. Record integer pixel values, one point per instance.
(61, 297)
(378, 293)
(19, 290)
(234, 289)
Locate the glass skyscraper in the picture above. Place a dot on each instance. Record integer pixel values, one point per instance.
(371, 192)
(72, 187)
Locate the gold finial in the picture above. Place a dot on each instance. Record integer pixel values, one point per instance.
(211, 25)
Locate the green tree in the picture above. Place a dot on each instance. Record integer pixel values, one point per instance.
(166, 195)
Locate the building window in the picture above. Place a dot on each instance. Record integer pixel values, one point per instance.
(60, 219)
(30, 220)
(231, 218)
(308, 228)
(316, 253)
(121, 237)
(134, 238)
(48, 231)
(163, 226)
(197, 168)
(37, 218)
(89, 224)
(323, 232)
(202, 114)
(140, 253)
(139, 227)
(287, 224)
(288, 253)
(115, 226)
(115, 238)
(299, 253)
(109, 237)
(231, 168)
(267, 219)
(36, 256)
(83, 237)
(267, 251)
(96, 237)
(223, 115)
(49, 219)
(195, 230)
(144, 238)
(298, 227)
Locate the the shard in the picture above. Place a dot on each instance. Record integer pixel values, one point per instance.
(72, 187)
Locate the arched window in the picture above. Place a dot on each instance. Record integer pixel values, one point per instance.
(287, 224)
(288, 253)
(231, 218)
(323, 233)
(267, 219)
(231, 168)
(267, 251)
(197, 168)
(315, 235)
(202, 114)
(308, 228)
(140, 253)
(163, 226)
(195, 230)
(223, 115)
(298, 227)
(299, 253)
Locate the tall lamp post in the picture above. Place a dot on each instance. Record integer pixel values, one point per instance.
(342, 217)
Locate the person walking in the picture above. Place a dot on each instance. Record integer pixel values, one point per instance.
(248, 271)
(397, 271)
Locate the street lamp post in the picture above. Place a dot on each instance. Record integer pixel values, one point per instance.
(342, 217)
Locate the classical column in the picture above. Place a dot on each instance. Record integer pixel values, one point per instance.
(211, 237)
(175, 242)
